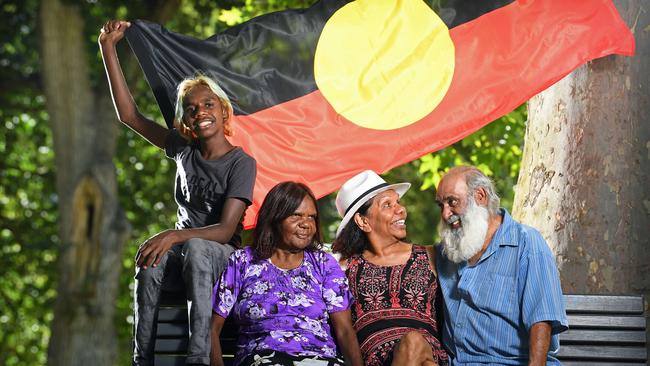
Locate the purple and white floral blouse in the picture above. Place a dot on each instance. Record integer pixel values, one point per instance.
(282, 310)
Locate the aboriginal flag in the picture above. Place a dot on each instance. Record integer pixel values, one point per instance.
(322, 93)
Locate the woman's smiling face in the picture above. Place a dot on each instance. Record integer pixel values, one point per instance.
(386, 216)
(299, 228)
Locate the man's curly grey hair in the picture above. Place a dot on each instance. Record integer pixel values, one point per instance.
(475, 179)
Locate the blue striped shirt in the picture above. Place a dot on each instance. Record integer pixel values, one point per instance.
(490, 307)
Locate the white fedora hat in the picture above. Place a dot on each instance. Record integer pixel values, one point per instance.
(358, 190)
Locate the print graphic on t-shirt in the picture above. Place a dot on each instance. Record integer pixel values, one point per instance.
(205, 190)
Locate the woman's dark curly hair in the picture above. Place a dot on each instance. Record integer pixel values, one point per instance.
(352, 239)
(280, 203)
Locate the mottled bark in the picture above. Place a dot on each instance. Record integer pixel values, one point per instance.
(585, 176)
(92, 227)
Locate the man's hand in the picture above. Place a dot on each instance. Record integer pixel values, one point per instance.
(152, 250)
(112, 32)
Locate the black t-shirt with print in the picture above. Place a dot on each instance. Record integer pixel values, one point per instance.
(202, 186)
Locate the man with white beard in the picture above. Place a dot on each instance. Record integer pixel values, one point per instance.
(499, 280)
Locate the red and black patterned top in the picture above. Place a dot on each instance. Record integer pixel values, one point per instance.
(391, 301)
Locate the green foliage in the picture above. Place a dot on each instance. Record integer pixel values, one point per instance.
(28, 231)
(28, 234)
(19, 61)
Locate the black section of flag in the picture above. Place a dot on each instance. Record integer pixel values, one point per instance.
(260, 63)
(457, 12)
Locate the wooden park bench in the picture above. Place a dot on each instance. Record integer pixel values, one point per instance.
(604, 330)
(173, 333)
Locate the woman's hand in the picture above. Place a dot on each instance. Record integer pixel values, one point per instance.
(152, 250)
(346, 337)
(216, 357)
(112, 32)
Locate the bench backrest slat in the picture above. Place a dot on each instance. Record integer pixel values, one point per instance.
(179, 360)
(172, 314)
(582, 336)
(612, 353)
(169, 360)
(606, 321)
(601, 363)
(606, 304)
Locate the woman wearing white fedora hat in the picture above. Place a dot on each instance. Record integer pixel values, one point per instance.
(397, 304)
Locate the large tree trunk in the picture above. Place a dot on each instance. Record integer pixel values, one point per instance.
(585, 176)
(92, 227)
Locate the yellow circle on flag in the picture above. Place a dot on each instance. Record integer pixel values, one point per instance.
(384, 64)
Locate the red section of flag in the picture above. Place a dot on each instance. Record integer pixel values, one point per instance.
(502, 59)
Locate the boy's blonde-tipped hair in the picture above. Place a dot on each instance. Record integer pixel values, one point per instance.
(184, 87)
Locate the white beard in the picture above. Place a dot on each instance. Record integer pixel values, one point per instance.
(459, 245)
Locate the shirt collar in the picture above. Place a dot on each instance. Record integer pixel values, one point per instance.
(501, 236)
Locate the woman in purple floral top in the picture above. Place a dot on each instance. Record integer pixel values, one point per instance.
(284, 292)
